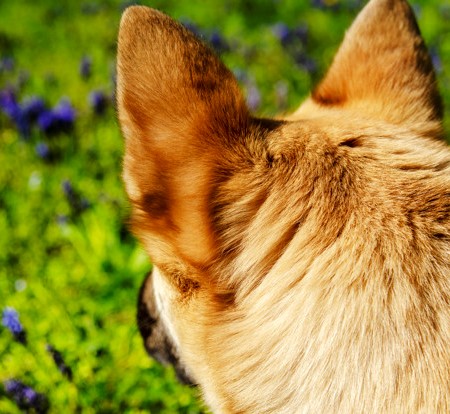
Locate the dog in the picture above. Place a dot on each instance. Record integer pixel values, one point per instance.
(300, 264)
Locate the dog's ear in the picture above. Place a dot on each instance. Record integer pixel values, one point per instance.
(383, 70)
(179, 108)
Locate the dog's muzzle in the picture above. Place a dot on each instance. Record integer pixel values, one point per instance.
(154, 334)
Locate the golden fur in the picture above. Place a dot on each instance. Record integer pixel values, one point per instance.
(306, 260)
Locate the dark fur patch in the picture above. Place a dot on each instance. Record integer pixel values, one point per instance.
(154, 204)
(327, 99)
(351, 142)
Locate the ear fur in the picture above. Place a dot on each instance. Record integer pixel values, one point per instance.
(179, 108)
(383, 70)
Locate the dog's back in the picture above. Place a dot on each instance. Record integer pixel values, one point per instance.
(301, 264)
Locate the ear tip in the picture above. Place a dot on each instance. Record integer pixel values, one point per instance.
(132, 12)
(132, 15)
(387, 3)
(135, 22)
(388, 6)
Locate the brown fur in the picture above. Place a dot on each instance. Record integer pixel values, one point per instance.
(303, 264)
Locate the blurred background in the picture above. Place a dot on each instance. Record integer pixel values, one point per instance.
(69, 269)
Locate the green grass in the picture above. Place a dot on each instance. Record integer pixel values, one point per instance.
(73, 276)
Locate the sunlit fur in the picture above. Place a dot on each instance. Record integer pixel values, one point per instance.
(306, 259)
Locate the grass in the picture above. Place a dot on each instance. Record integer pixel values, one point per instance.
(68, 266)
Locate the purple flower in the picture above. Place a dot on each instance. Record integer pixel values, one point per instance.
(46, 121)
(288, 36)
(65, 112)
(307, 63)
(26, 114)
(86, 67)
(281, 32)
(26, 397)
(98, 102)
(301, 33)
(67, 189)
(60, 119)
(43, 151)
(253, 97)
(77, 203)
(62, 220)
(281, 93)
(23, 125)
(436, 60)
(33, 107)
(9, 104)
(218, 43)
(191, 27)
(240, 75)
(7, 64)
(11, 108)
(59, 361)
(322, 4)
(10, 320)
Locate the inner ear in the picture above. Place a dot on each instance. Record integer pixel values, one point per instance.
(181, 113)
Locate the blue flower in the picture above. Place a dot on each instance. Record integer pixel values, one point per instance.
(23, 115)
(65, 112)
(77, 203)
(67, 189)
(86, 67)
(436, 59)
(301, 33)
(253, 97)
(7, 64)
(218, 43)
(11, 108)
(59, 361)
(46, 122)
(33, 107)
(322, 4)
(43, 151)
(191, 27)
(288, 36)
(26, 397)
(98, 102)
(62, 220)
(9, 104)
(281, 32)
(281, 94)
(10, 320)
(307, 63)
(241, 75)
(60, 119)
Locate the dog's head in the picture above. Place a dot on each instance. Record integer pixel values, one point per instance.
(234, 211)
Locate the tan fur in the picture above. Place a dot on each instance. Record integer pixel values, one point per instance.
(307, 259)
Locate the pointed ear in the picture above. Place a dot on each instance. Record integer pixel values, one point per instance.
(383, 70)
(179, 108)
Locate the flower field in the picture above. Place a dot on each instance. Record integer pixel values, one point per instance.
(69, 269)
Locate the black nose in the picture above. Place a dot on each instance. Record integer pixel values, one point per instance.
(145, 321)
(157, 343)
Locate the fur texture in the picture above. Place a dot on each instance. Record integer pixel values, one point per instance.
(302, 265)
